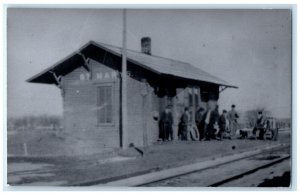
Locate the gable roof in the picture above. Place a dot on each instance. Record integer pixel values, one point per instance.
(159, 65)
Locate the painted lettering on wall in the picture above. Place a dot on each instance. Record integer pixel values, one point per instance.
(99, 75)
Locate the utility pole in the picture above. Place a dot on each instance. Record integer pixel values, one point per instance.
(124, 86)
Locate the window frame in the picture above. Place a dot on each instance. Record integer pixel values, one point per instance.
(113, 118)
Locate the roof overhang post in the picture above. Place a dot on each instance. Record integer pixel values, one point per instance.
(57, 79)
(222, 88)
(86, 61)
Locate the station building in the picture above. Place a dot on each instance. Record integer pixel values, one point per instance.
(90, 84)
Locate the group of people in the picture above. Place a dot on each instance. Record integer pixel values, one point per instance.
(213, 125)
(210, 124)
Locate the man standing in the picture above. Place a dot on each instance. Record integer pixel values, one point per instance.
(165, 125)
(183, 124)
(259, 126)
(206, 123)
(215, 122)
(223, 122)
(233, 117)
(200, 122)
(211, 123)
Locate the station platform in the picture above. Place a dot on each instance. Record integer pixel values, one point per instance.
(94, 169)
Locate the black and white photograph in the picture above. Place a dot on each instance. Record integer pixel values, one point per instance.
(149, 98)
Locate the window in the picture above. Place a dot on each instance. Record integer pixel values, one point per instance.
(191, 99)
(204, 95)
(195, 101)
(104, 105)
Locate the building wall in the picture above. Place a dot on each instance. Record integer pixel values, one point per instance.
(80, 106)
(135, 123)
(155, 108)
(144, 106)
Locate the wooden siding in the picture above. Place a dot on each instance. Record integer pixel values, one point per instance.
(80, 106)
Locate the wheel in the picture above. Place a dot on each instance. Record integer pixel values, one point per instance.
(194, 133)
(268, 135)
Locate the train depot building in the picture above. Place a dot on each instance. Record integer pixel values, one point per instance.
(90, 83)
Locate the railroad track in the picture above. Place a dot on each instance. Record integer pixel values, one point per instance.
(248, 172)
(212, 173)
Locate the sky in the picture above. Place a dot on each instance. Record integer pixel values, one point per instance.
(248, 48)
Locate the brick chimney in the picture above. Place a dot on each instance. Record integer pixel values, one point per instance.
(146, 45)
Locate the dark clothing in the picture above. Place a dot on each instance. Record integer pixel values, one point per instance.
(260, 121)
(199, 117)
(200, 124)
(183, 126)
(165, 126)
(222, 122)
(209, 129)
(222, 126)
(261, 132)
(167, 117)
(273, 129)
(201, 129)
(259, 126)
(215, 117)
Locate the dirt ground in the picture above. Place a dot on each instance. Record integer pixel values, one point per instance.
(89, 170)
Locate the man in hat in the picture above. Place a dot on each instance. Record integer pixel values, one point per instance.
(259, 126)
(233, 117)
(165, 125)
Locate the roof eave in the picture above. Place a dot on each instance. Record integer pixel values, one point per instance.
(31, 79)
(73, 54)
(229, 86)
